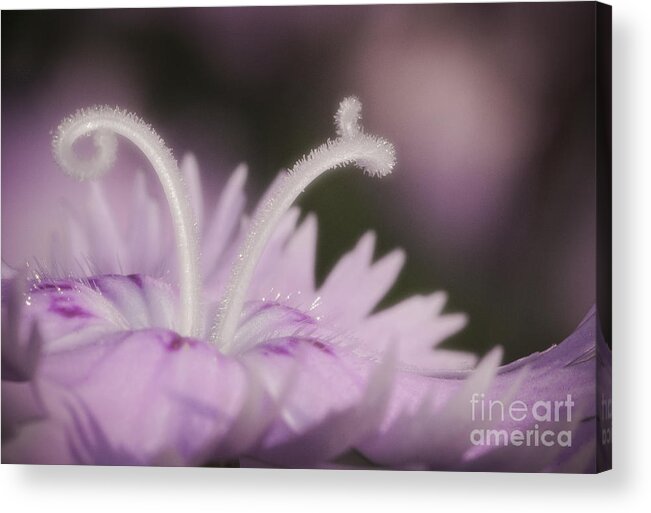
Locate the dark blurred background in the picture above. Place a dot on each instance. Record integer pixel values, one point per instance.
(491, 108)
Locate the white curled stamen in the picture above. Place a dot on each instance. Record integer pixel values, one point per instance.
(104, 123)
(374, 155)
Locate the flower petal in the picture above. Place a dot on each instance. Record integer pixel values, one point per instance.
(430, 418)
(417, 325)
(175, 398)
(225, 220)
(356, 285)
(329, 398)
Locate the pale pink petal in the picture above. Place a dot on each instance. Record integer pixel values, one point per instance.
(173, 394)
(225, 220)
(147, 243)
(329, 398)
(417, 325)
(428, 421)
(355, 286)
(107, 251)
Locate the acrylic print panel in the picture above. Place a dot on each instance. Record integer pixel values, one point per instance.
(351, 237)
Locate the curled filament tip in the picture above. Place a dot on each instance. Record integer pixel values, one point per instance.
(372, 154)
(348, 116)
(104, 123)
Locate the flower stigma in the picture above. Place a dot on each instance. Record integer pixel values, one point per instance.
(373, 155)
(104, 123)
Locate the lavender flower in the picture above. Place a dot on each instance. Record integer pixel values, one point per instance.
(130, 348)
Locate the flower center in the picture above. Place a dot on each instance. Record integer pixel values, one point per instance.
(352, 146)
(104, 123)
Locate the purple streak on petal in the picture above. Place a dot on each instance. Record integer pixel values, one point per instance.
(55, 286)
(276, 349)
(321, 346)
(266, 320)
(63, 306)
(137, 279)
(177, 342)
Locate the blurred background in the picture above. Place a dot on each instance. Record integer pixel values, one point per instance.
(491, 108)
